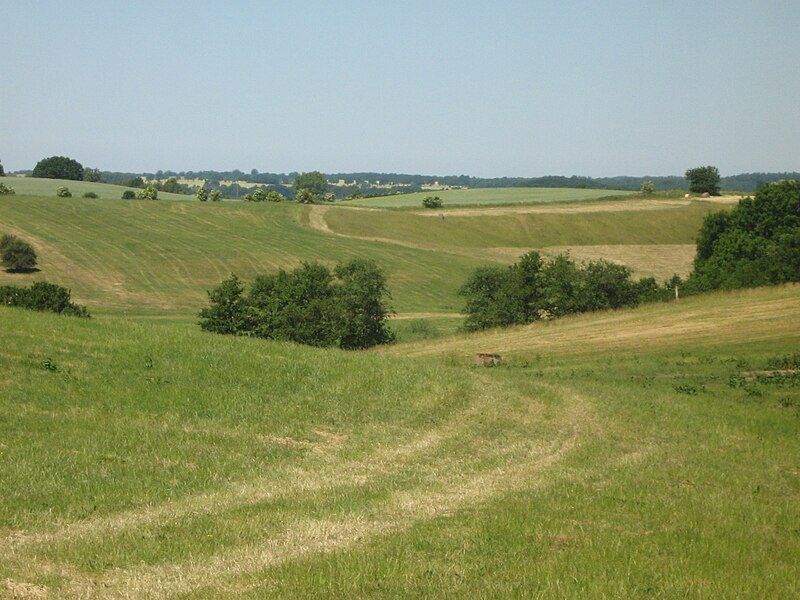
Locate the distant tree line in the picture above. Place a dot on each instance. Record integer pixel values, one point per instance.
(400, 183)
(309, 305)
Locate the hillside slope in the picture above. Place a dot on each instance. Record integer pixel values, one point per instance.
(488, 197)
(35, 186)
(161, 257)
(149, 458)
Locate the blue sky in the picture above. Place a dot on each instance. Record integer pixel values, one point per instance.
(488, 89)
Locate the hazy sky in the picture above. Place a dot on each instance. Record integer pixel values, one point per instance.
(489, 88)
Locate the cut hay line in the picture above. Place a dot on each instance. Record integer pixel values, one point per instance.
(445, 487)
(578, 208)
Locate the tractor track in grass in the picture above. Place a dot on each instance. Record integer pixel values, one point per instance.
(521, 450)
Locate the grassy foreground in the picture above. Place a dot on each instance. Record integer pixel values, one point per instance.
(654, 455)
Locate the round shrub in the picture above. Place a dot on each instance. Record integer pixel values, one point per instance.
(91, 195)
(5, 190)
(128, 195)
(432, 202)
(148, 193)
(17, 255)
(63, 192)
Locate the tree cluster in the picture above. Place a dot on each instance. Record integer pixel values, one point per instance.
(309, 305)
(756, 243)
(432, 202)
(262, 194)
(16, 255)
(58, 167)
(538, 289)
(42, 296)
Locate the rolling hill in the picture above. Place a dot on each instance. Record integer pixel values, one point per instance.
(35, 186)
(161, 257)
(488, 197)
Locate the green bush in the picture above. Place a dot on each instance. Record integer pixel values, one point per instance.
(148, 193)
(704, 180)
(534, 289)
(58, 167)
(90, 195)
(432, 202)
(215, 196)
(17, 255)
(756, 243)
(648, 188)
(202, 193)
(305, 196)
(264, 195)
(309, 305)
(5, 190)
(128, 195)
(42, 296)
(63, 192)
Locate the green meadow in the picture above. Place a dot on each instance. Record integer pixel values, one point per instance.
(639, 453)
(35, 186)
(488, 197)
(144, 459)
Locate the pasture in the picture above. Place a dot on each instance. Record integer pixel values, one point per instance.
(613, 455)
(159, 258)
(488, 197)
(35, 186)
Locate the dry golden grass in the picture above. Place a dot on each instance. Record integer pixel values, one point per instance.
(754, 315)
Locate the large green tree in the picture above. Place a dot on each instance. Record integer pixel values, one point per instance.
(704, 180)
(58, 167)
(757, 243)
(92, 175)
(313, 181)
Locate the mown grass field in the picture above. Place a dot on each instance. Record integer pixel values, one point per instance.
(488, 197)
(34, 186)
(159, 258)
(653, 237)
(644, 453)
